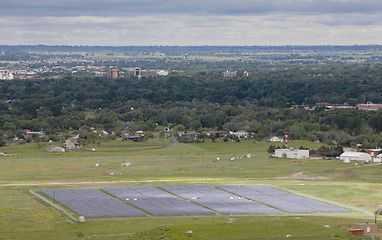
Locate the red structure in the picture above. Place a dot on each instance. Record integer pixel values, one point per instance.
(286, 139)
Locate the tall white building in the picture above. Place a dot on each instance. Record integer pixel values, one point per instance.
(6, 75)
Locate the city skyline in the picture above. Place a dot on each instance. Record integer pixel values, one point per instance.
(174, 23)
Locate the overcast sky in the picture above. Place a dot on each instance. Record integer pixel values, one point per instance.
(190, 22)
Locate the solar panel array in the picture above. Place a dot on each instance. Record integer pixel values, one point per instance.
(282, 200)
(218, 200)
(155, 201)
(185, 200)
(92, 203)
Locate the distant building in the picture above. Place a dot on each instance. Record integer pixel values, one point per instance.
(72, 144)
(229, 73)
(369, 106)
(114, 73)
(189, 134)
(355, 156)
(29, 133)
(6, 75)
(150, 75)
(276, 139)
(131, 138)
(162, 73)
(137, 72)
(241, 134)
(218, 134)
(54, 149)
(374, 152)
(292, 153)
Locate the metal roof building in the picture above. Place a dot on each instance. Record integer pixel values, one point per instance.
(357, 156)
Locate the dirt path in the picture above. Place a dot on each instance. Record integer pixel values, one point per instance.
(301, 176)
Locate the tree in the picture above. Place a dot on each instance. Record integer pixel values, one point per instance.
(377, 212)
(2, 142)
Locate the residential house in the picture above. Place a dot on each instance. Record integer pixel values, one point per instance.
(242, 134)
(189, 134)
(131, 138)
(218, 134)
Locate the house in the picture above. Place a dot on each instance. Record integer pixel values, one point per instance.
(72, 144)
(357, 156)
(242, 134)
(276, 139)
(189, 135)
(29, 133)
(131, 138)
(140, 133)
(218, 134)
(54, 149)
(292, 153)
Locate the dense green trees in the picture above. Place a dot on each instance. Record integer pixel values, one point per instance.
(259, 103)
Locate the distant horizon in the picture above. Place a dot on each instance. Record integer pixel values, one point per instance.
(288, 45)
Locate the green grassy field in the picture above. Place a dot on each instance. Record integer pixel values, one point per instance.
(24, 217)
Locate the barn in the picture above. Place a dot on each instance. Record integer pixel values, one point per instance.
(355, 156)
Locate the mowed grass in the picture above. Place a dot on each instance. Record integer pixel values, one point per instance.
(24, 217)
(152, 160)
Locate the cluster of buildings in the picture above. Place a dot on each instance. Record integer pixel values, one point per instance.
(330, 106)
(369, 155)
(6, 75)
(115, 73)
(234, 73)
(71, 144)
(192, 135)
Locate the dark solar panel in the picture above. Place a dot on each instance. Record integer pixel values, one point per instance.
(218, 200)
(92, 203)
(156, 202)
(282, 200)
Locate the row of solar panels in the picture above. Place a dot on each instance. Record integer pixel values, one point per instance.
(185, 200)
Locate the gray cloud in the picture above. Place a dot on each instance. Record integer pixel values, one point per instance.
(194, 7)
(277, 29)
(196, 22)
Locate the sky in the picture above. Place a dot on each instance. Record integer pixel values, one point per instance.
(190, 22)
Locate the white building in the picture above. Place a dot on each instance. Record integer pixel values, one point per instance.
(276, 139)
(292, 153)
(355, 156)
(162, 73)
(378, 158)
(229, 73)
(242, 134)
(6, 75)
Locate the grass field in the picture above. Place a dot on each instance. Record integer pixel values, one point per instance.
(24, 217)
